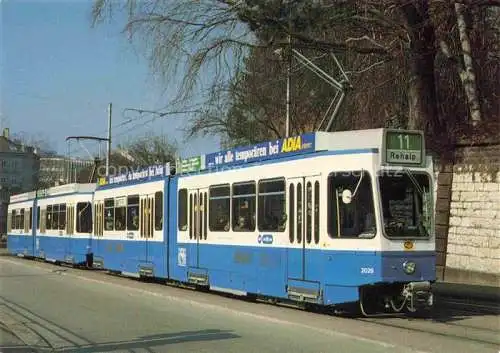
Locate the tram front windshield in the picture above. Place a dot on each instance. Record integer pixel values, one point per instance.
(406, 204)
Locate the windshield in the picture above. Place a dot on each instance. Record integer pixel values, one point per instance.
(406, 204)
(351, 217)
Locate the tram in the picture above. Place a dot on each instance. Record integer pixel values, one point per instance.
(329, 219)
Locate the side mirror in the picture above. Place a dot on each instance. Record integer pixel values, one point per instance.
(284, 218)
(346, 196)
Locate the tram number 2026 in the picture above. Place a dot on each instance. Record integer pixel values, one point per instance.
(367, 270)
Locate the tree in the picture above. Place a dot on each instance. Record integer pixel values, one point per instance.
(136, 153)
(258, 100)
(407, 88)
(42, 143)
(148, 150)
(390, 41)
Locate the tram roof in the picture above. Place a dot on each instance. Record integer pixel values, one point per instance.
(382, 140)
(65, 189)
(356, 140)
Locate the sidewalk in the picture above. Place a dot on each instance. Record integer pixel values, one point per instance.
(469, 291)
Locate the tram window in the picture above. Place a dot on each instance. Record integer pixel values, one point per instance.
(244, 207)
(62, 216)
(316, 212)
(96, 219)
(48, 217)
(291, 212)
(55, 217)
(355, 219)
(20, 224)
(191, 211)
(38, 217)
(70, 219)
(406, 204)
(26, 220)
(219, 206)
(299, 213)
(309, 211)
(159, 210)
(120, 213)
(109, 214)
(182, 216)
(14, 220)
(30, 224)
(133, 212)
(196, 209)
(271, 215)
(84, 217)
(205, 208)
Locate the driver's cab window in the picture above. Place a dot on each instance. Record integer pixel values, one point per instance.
(351, 211)
(406, 204)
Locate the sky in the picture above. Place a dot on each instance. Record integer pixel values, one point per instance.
(58, 75)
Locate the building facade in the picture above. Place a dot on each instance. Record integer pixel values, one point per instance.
(19, 167)
(58, 170)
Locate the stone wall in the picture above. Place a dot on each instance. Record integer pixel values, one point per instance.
(472, 241)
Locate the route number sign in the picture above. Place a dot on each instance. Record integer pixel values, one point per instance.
(404, 147)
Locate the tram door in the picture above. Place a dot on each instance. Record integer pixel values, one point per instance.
(303, 227)
(147, 217)
(70, 246)
(198, 225)
(97, 246)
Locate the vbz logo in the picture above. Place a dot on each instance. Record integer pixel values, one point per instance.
(265, 239)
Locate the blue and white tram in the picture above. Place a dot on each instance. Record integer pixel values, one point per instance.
(20, 217)
(129, 232)
(324, 218)
(64, 230)
(327, 218)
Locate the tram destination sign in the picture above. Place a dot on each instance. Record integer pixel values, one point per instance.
(404, 147)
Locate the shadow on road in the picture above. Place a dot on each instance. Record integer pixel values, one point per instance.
(448, 310)
(148, 342)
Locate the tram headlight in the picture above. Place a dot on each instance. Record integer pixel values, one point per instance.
(409, 267)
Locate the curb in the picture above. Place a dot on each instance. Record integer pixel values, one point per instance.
(467, 291)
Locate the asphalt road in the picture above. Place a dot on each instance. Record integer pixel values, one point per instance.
(60, 309)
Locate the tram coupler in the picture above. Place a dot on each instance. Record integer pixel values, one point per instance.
(418, 295)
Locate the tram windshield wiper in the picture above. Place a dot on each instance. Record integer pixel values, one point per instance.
(414, 181)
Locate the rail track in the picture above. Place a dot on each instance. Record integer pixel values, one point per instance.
(449, 317)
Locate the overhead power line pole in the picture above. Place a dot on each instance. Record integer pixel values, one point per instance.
(110, 106)
(288, 83)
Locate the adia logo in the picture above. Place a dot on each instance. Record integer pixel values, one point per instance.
(291, 144)
(265, 239)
